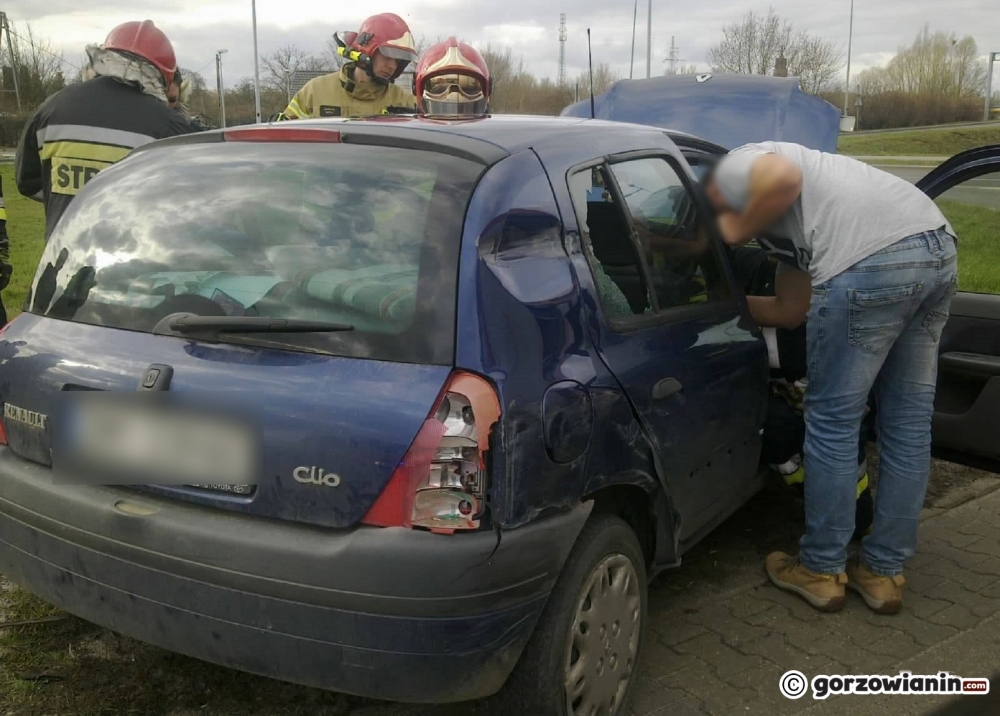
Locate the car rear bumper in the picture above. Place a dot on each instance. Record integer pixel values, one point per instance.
(387, 613)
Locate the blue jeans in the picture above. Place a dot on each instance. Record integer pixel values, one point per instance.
(878, 325)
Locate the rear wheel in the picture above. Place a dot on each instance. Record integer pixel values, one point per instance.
(584, 654)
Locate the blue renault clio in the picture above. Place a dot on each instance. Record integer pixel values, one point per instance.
(398, 408)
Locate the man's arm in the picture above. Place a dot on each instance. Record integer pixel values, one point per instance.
(674, 249)
(788, 307)
(405, 99)
(774, 185)
(300, 107)
(28, 161)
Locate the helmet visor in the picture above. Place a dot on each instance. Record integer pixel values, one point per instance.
(454, 86)
(403, 54)
(454, 107)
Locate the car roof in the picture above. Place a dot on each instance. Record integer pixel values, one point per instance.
(489, 139)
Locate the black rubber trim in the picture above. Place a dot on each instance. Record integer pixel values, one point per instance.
(457, 146)
(970, 364)
(365, 133)
(975, 305)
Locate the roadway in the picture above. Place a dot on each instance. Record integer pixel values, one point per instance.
(982, 191)
(930, 128)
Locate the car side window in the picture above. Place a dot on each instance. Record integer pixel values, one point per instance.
(610, 251)
(673, 234)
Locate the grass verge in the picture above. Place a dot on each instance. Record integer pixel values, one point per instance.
(26, 229)
(933, 142)
(978, 228)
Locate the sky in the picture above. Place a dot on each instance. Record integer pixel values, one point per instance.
(198, 28)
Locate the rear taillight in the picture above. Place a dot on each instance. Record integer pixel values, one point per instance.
(281, 134)
(440, 484)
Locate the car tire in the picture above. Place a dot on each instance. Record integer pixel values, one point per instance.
(582, 631)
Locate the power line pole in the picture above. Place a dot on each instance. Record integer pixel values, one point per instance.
(631, 58)
(989, 84)
(256, 67)
(221, 87)
(674, 58)
(850, 38)
(5, 26)
(562, 50)
(649, 41)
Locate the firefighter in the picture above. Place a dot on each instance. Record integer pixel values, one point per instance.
(89, 126)
(5, 267)
(378, 53)
(453, 81)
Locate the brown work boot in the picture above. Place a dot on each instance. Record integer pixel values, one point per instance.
(883, 595)
(823, 591)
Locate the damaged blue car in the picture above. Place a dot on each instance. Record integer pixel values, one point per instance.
(472, 385)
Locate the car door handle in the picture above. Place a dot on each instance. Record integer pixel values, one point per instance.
(666, 387)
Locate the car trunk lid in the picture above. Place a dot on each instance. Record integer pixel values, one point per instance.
(347, 417)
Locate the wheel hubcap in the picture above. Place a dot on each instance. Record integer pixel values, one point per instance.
(604, 640)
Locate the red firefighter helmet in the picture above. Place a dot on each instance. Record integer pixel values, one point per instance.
(389, 34)
(453, 81)
(146, 41)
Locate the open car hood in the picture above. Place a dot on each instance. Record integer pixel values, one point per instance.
(728, 110)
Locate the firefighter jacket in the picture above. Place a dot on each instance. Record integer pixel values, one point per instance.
(338, 95)
(81, 130)
(4, 244)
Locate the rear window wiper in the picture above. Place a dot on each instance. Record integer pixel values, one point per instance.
(180, 323)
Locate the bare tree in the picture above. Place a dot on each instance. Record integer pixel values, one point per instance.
(510, 80)
(815, 62)
(935, 64)
(196, 81)
(194, 96)
(38, 65)
(936, 79)
(604, 77)
(753, 45)
(279, 66)
(871, 82)
(967, 69)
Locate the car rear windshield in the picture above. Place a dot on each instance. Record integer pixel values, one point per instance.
(362, 235)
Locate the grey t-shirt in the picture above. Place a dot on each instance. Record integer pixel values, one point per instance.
(847, 211)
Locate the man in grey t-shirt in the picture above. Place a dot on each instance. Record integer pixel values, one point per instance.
(872, 262)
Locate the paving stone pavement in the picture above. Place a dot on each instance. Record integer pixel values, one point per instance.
(724, 652)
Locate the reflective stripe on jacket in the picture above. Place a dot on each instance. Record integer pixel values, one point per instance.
(81, 130)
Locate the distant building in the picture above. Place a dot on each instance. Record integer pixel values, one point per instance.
(299, 78)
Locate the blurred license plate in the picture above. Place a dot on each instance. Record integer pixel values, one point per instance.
(124, 440)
